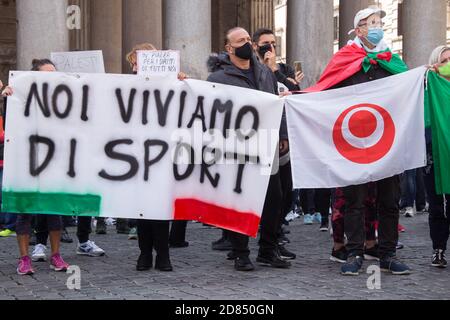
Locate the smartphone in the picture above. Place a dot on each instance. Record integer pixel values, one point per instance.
(298, 66)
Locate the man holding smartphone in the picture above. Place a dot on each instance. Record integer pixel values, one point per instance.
(264, 44)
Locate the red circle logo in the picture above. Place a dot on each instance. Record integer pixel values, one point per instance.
(364, 133)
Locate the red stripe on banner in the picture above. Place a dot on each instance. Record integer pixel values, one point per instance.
(229, 219)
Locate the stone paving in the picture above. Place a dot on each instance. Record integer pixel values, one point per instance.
(203, 274)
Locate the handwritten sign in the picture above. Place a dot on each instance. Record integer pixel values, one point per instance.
(123, 147)
(158, 63)
(79, 61)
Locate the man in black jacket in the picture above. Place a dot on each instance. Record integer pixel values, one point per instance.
(240, 67)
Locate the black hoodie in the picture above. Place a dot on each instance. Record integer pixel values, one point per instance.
(224, 72)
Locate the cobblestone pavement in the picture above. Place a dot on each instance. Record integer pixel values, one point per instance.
(201, 273)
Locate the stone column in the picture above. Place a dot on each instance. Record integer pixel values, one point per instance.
(106, 32)
(225, 16)
(424, 28)
(41, 29)
(347, 13)
(142, 22)
(188, 29)
(310, 36)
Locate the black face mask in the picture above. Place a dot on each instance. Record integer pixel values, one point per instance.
(264, 49)
(135, 73)
(245, 52)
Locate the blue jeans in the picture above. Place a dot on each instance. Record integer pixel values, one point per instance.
(413, 189)
(408, 183)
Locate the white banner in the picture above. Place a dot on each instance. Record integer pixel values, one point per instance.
(121, 146)
(357, 134)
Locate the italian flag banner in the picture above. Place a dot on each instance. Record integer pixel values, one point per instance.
(357, 134)
(437, 117)
(130, 147)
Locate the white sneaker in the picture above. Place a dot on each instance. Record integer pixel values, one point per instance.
(290, 216)
(409, 212)
(39, 253)
(90, 249)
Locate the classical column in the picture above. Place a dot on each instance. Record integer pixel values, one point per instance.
(424, 28)
(106, 32)
(41, 29)
(310, 36)
(188, 29)
(142, 22)
(347, 13)
(224, 15)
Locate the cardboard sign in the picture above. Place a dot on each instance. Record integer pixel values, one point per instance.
(79, 61)
(158, 63)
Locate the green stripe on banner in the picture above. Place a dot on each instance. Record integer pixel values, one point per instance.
(51, 203)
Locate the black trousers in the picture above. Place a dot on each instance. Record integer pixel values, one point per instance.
(307, 201)
(322, 200)
(270, 222)
(388, 197)
(178, 232)
(286, 189)
(439, 218)
(153, 235)
(84, 229)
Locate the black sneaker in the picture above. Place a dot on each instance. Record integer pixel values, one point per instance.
(439, 259)
(101, 227)
(340, 255)
(286, 254)
(353, 266)
(391, 264)
(324, 226)
(144, 262)
(65, 237)
(372, 254)
(285, 230)
(243, 264)
(163, 264)
(273, 260)
(184, 244)
(222, 245)
(231, 256)
(282, 240)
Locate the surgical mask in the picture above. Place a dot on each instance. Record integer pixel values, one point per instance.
(445, 70)
(245, 52)
(375, 36)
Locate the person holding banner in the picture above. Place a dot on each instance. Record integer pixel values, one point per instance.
(54, 222)
(437, 97)
(367, 58)
(240, 67)
(153, 234)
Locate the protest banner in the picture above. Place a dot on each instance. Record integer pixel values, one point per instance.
(124, 147)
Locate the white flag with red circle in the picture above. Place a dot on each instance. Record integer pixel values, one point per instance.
(358, 134)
